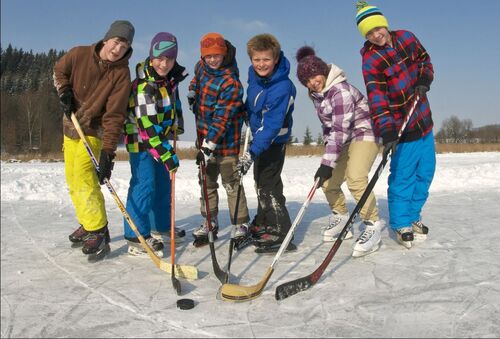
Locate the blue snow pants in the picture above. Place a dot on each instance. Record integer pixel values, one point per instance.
(148, 200)
(412, 169)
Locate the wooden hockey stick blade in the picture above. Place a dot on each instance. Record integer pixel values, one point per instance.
(183, 271)
(232, 292)
(188, 272)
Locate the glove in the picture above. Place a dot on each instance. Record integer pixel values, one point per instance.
(191, 99)
(244, 163)
(420, 90)
(205, 153)
(105, 166)
(390, 146)
(324, 173)
(67, 101)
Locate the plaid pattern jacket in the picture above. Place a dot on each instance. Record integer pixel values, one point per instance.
(218, 107)
(391, 74)
(154, 109)
(345, 118)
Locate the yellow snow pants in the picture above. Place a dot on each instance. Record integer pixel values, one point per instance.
(83, 183)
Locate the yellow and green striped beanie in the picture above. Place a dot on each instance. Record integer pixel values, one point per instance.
(368, 17)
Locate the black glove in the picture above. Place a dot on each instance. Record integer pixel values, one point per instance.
(105, 166)
(390, 146)
(204, 154)
(244, 163)
(191, 99)
(67, 101)
(324, 173)
(420, 90)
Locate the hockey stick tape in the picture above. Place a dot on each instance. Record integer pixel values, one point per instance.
(185, 304)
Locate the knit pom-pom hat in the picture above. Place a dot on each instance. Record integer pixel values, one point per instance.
(369, 17)
(309, 65)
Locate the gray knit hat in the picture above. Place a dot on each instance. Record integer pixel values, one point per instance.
(121, 29)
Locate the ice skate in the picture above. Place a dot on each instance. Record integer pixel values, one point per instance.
(96, 244)
(242, 237)
(271, 243)
(336, 223)
(201, 235)
(78, 237)
(420, 231)
(180, 235)
(404, 236)
(369, 241)
(135, 247)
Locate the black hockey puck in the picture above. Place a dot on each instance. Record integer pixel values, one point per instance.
(185, 304)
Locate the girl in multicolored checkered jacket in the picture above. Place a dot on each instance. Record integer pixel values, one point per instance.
(397, 71)
(216, 96)
(155, 113)
(350, 146)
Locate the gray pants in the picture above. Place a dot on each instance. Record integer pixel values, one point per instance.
(226, 167)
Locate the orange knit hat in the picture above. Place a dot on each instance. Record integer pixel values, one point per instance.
(212, 43)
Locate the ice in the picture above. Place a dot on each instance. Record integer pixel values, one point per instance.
(446, 286)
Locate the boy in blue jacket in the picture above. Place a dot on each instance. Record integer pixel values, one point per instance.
(269, 104)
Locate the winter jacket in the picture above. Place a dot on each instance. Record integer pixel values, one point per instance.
(344, 115)
(154, 110)
(270, 103)
(101, 89)
(391, 75)
(218, 106)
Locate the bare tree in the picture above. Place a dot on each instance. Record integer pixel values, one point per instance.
(454, 130)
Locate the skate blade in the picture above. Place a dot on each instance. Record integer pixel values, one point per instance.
(357, 254)
(330, 238)
(99, 255)
(76, 244)
(240, 244)
(139, 252)
(406, 244)
(202, 241)
(419, 236)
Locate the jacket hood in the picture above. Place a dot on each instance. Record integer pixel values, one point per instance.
(335, 76)
(281, 72)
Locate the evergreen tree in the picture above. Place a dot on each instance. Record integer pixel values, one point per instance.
(307, 137)
(319, 140)
(30, 112)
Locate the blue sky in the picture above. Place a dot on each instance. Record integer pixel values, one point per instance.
(461, 37)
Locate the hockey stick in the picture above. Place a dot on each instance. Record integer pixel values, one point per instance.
(184, 271)
(301, 284)
(238, 196)
(175, 282)
(232, 292)
(221, 275)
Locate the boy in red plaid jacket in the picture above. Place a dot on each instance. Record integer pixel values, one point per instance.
(397, 70)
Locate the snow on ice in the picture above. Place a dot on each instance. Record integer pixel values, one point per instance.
(447, 286)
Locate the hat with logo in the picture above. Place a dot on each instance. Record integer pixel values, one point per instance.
(212, 43)
(369, 17)
(121, 29)
(163, 44)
